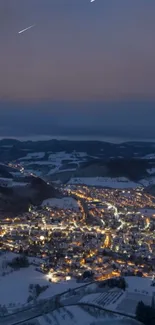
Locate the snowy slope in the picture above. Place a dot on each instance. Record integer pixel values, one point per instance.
(120, 182)
(64, 203)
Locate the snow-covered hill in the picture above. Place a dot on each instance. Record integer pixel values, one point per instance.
(119, 182)
(63, 203)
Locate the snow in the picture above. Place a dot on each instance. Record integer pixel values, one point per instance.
(66, 170)
(129, 303)
(38, 162)
(18, 282)
(57, 160)
(107, 299)
(10, 183)
(72, 315)
(141, 284)
(19, 184)
(35, 172)
(149, 156)
(34, 155)
(147, 181)
(62, 155)
(151, 171)
(56, 288)
(75, 315)
(110, 321)
(5, 179)
(139, 289)
(120, 182)
(54, 170)
(67, 316)
(81, 154)
(64, 203)
(15, 285)
(17, 174)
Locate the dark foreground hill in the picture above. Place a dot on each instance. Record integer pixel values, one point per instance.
(17, 199)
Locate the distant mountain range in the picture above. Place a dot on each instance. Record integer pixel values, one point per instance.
(13, 149)
(54, 160)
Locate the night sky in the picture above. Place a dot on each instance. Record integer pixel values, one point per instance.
(77, 64)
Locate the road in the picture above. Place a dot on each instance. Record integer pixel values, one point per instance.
(31, 313)
(66, 303)
(40, 308)
(48, 305)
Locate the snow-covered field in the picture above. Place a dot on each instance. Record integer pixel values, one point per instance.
(14, 288)
(120, 182)
(36, 172)
(73, 315)
(151, 171)
(54, 161)
(14, 291)
(54, 158)
(140, 284)
(148, 181)
(16, 184)
(74, 156)
(34, 155)
(14, 285)
(8, 182)
(64, 203)
(129, 303)
(63, 162)
(115, 321)
(77, 315)
(104, 299)
(139, 289)
(149, 156)
(125, 302)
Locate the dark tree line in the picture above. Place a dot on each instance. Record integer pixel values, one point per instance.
(115, 282)
(19, 262)
(145, 314)
(35, 290)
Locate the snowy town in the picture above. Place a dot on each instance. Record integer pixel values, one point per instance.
(87, 249)
(88, 228)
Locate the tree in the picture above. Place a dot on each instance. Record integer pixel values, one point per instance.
(140, 311)
(145, 314)
(19, 262)
(122, 284)
(31, 287)
(88, 274)
(30, 298)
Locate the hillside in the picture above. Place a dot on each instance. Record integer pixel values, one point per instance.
(61, 161)
(17, 199)
(13, 149)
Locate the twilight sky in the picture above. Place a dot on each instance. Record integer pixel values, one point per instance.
(78, 51)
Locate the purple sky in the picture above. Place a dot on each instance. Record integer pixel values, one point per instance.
(84, 68)
(78, 50)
